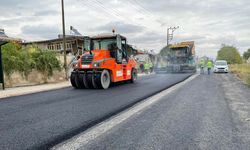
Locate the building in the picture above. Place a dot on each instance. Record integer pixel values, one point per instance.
(2, 34)
(4, 38)
(74, 44)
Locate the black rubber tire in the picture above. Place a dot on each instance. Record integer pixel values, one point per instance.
(72, 79)
(79, 81)
(87, 80)
(104, 79)
(133, 76)
(96, 81)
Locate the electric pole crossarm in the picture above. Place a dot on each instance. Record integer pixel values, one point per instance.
(170, 34)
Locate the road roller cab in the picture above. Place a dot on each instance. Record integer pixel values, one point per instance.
(106, 61)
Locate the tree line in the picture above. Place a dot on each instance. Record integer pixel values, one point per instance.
(232, 55)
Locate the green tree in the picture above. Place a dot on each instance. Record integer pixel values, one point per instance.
(246, 54)
(230, 54)
(10, 53)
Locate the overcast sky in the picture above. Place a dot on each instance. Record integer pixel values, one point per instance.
(209, 23)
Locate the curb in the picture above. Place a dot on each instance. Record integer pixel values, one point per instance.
(19, 91)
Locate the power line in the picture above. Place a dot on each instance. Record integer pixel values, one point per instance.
(100, 4)
(118, 13)
(111, 11)
(104, 9)
(115, 11)
(137, 5)
(146, 9)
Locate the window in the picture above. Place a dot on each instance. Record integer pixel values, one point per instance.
(104, 44)
(87, 44)
(51, 47)
(220, 63)
(60, 46)
(68, 45)
(119, 56)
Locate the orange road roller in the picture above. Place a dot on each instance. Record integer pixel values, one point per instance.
(105, 61)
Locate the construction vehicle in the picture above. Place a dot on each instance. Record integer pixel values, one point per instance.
(178, 58)
(105, 61)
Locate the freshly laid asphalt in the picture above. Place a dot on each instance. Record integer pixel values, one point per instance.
(209, 112)
(42, 120)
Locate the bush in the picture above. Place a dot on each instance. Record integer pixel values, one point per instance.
(46, 62)
(24, 60)
(25, 63)
(230, 54)
(246, 54)
(242, 71)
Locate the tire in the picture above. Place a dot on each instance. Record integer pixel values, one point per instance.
(87, 80)
(133, 76)
(104, 81)
(96, 81)
(72, 79)
(79, 81)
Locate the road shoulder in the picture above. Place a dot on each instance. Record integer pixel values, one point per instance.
(237, 95)
(18, 91)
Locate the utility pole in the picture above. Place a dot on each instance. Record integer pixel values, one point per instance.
(64, 42)
(170, 34)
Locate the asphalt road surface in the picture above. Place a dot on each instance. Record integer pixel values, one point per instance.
(39, 121)
(210, 112)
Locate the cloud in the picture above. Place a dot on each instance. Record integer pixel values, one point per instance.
(209, 23)
(16, 20)
(42, 31)
(148, 37)
(46, 12)
(120, 27)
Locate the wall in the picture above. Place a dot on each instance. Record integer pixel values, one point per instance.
(34, 78)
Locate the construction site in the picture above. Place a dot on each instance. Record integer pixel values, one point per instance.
(134, 74)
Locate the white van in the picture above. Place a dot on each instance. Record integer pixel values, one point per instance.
(220, 66)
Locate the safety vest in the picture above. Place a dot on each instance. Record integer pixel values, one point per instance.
(202, 63)
(209, 64)
(146, 66)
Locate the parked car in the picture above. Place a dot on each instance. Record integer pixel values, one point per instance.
(221, 66)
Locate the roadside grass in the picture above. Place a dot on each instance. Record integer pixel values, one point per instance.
(242, 71)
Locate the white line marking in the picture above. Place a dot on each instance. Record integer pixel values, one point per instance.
(83, 138)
